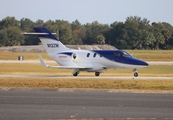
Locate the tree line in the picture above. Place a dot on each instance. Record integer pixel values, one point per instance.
(134, 33)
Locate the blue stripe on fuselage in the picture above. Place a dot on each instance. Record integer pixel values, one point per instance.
(66, 53)
(126, 59)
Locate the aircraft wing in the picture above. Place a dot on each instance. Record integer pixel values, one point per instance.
(60, 67)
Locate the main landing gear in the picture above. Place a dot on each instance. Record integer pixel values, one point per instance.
(75, 73)
(97, 73)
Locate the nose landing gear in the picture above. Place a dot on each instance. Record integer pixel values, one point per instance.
(135, 73)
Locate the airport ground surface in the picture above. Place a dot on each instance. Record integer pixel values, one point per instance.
(87, 77)
(102, 104)
(79, 77)
(54, 104)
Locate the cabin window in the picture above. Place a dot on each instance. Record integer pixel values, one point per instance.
(88, 54)
(94, 54)
(117, 53)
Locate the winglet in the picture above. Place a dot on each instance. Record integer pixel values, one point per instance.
(42, 62)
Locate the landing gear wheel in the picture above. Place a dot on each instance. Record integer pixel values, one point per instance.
(136, 74)
(75, 74)
(97, 73)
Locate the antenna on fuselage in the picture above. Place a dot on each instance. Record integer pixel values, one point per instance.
(91, 48)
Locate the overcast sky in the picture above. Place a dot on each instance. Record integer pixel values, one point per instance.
(87, 11)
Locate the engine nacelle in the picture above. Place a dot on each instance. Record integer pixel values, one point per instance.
(74, 56)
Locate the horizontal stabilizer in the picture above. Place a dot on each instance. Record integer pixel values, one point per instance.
(35, 33)
(60, 67)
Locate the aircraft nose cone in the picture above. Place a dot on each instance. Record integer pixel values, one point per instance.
(144, 63)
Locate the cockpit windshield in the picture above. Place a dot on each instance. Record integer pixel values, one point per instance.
(122, 53)
(126, 54)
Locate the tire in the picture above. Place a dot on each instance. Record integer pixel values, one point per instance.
(97, 73)
(136, 74)
(75, 74)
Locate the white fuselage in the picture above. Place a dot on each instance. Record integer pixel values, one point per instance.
(91, 60)
(85, 60)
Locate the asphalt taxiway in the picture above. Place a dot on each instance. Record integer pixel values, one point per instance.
(76, 104)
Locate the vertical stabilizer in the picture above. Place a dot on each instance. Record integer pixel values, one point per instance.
(49, 41)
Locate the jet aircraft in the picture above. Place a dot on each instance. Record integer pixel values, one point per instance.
(96, 61)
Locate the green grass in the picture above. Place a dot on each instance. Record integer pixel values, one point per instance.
(26, 55)
(37, 69)
(83, 83)
(147, 55)
(153, 55)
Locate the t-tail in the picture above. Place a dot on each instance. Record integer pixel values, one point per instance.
(49, 41)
